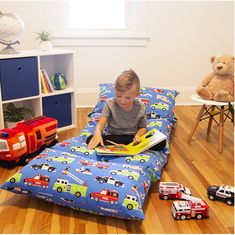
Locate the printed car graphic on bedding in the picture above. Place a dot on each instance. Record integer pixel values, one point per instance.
(84, 150)
(109, 180)
(138, 158)
(130, 174)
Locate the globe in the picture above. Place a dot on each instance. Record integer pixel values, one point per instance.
(11, 29)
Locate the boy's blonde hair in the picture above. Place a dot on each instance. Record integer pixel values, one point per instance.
(126, 80)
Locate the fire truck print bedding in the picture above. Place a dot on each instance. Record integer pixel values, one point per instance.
(72, 175)
(70, 180)
(152, 160)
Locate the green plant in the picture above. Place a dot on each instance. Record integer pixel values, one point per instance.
(44, 35)
(16, 114)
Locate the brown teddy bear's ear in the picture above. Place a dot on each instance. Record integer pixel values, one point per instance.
(212, 59)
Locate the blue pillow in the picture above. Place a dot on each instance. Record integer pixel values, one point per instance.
(103, 188)
(159, 102)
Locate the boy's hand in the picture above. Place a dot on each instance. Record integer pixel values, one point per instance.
(95, 140)
(136, 140)
(139, 133)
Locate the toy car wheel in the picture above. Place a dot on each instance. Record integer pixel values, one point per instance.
(64, 162)
(130, 177)
(111, 202)
(101, 181)
(113, 173)
(51, 169)
(128, 160)
(72, 150)
(229, 202)
(142, 161)
(49, 159)
(129, 207)
(86, 153)
(165, 197)
(12, 180)
(211, 197)
(78, 194)
(96, 199)
(59, 190)
(117, 184)
(199, 216)
(183, 217)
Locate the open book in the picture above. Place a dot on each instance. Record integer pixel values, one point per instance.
(148, 140)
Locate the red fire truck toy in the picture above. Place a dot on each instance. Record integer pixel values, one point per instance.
(19, 143)
(195, 208)
(171, 190)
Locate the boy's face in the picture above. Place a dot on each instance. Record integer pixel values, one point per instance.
(125, 99)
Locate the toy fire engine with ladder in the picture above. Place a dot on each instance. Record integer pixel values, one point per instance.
(20, 142)
(192, 208)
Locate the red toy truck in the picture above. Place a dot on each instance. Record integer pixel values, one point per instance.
(171, 190)
(190, 209)
(27, 137)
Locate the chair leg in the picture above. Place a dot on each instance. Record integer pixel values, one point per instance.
(210, 120)
(196, 123)
(221, 129)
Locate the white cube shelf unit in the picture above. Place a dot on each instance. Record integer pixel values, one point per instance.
(21, 84)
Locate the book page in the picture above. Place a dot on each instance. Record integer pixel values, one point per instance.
(148, 140)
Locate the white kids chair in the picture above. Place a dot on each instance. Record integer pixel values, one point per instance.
(210, 109)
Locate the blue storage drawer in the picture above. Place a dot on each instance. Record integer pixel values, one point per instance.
(19, 78)
(58, 107)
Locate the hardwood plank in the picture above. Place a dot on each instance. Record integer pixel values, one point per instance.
(197, 165)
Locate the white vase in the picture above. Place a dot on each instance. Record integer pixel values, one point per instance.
(46, 46)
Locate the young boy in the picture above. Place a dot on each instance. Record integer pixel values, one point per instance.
(125, 116)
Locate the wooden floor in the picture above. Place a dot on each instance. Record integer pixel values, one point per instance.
(197, 166)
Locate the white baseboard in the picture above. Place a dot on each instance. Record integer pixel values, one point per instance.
(87, 97)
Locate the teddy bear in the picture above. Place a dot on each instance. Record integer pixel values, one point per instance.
(219, 85)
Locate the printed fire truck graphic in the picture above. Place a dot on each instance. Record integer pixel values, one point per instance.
(130, 202)
(26, 138)
(62, 185)
(106, 195)
(16, 177)
(38, 180)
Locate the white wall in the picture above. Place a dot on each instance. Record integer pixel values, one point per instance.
(182, 36)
